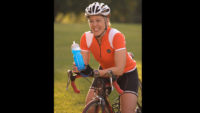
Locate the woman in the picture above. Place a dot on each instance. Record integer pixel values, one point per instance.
(108, 48)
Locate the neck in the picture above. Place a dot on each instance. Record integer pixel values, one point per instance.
(101, 35)
(99, 40)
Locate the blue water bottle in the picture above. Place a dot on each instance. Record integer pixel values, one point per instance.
(78, 58)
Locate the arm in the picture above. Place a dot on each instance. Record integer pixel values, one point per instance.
(86, 56)
(84, 52)
(84, 49)
(120, 62)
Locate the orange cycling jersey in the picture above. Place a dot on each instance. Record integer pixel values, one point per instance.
(112, 41)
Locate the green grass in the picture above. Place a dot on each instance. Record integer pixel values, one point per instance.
(64, 34)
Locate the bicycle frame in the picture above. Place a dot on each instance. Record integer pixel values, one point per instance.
(72, 78)
(101, 98)
(100, 89)
(100, 92)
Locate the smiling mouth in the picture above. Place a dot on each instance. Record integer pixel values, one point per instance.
(96, 30)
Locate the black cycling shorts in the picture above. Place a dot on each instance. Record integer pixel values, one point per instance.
(127, 82)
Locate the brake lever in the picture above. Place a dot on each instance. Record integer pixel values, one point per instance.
(69, 74)
(113, 81)
(111, 84)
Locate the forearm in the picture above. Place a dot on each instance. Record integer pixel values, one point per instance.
(116, 71)
(120, 63)
(86, 56)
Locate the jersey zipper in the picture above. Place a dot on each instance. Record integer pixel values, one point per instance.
(100, 50)
(99, 47)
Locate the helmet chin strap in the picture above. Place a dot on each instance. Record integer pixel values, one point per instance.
(104, 29)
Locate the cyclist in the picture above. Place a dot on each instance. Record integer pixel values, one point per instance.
(108, 47)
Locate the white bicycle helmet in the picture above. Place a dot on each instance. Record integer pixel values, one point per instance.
(97, 8)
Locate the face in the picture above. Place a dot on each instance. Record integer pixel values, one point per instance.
(97, 24)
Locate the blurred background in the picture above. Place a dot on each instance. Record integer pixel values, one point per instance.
(69, 24)
(125, 11)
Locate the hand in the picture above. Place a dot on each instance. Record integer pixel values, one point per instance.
(75, 69)
(131, 54)
(110, 74)
(88, 71)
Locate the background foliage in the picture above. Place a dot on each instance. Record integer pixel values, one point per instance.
(126, 11)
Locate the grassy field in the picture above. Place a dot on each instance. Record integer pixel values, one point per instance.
(66, 101)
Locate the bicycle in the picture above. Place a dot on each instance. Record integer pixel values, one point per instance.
(100, 104)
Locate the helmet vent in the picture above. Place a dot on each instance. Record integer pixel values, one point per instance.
(97, 9)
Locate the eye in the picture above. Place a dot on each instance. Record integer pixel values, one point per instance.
(98, 20)
(91, 21)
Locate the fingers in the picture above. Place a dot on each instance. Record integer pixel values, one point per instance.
(74, 68)
(73, 64)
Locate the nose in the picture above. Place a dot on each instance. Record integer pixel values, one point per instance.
(94, 23)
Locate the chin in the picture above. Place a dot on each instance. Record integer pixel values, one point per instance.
(96, 34)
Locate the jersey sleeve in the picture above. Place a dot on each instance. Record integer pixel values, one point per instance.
(119, 42)
(83, 44)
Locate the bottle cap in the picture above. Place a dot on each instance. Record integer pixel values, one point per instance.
(75, 46)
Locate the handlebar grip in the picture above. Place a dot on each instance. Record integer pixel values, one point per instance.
(74, 87)
(76, 90)
(72, 79)
(114, 80)
(119, 90)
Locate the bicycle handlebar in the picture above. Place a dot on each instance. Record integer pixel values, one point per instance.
(119, 90)
(72, 79)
